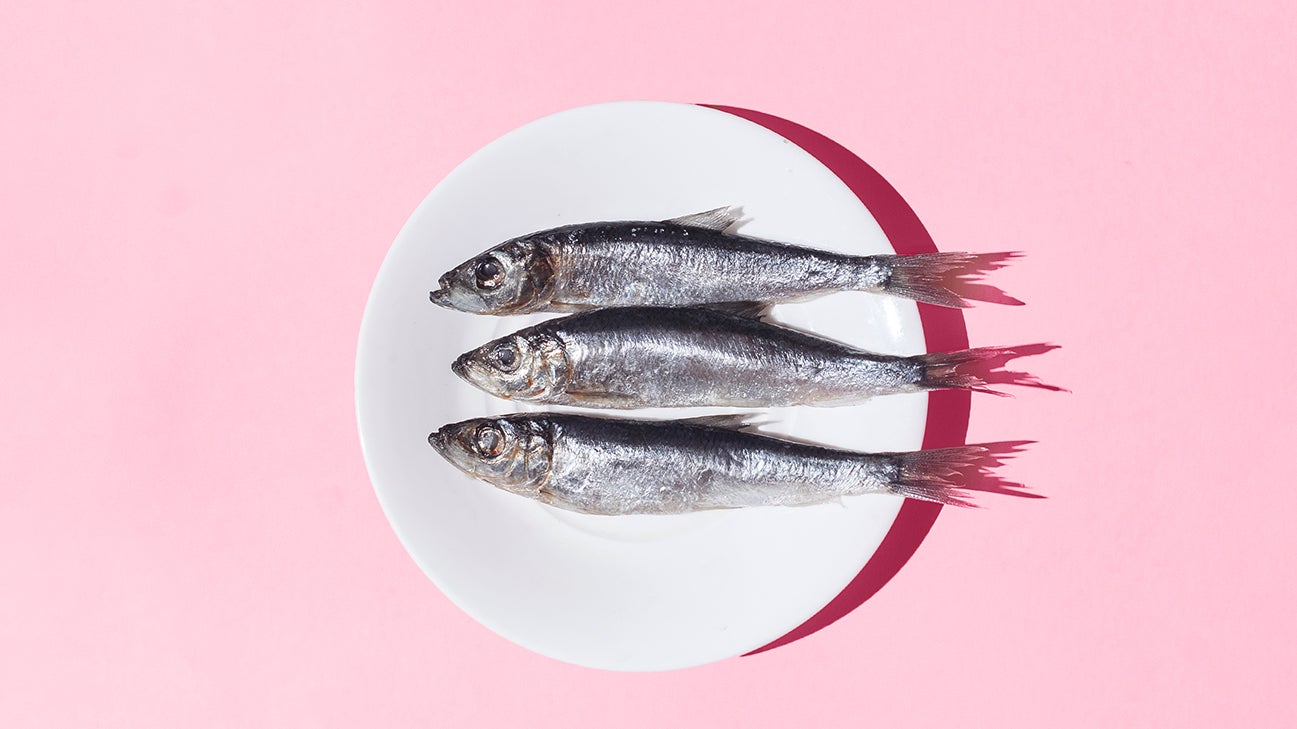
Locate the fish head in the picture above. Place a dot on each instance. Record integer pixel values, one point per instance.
(528, 365)
(515, 277)
(511, 453)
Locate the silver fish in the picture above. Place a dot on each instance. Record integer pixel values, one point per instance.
(693, 260)
(612, 466)
(638, 357)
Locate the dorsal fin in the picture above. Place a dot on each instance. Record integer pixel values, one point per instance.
(729, 421)
(746, 309)
(720, 219)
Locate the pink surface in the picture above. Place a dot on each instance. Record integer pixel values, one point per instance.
(195, 199)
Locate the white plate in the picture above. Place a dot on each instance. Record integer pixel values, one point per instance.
(634, 593)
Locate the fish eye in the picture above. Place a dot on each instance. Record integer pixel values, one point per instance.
(505, 357)
(489, 441)
(489, 273)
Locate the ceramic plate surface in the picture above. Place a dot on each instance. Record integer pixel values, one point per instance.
(633, 592)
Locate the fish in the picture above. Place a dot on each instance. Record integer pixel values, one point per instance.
(694, 260)
(637, 357)
(609, 466)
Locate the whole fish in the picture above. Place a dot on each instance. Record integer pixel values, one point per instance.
(692, 260)
(638, 357)
(611, 466)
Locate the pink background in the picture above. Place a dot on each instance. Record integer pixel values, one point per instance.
(194, 199)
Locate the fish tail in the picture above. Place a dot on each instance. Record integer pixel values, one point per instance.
(978, 369)
(944, 279)
(947, 475)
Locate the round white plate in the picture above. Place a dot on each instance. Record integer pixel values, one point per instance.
(637, 593)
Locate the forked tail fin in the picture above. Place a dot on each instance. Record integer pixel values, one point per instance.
(947, 475)
(945, 279)
(978, 369)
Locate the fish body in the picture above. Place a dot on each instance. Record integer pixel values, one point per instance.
(611, 466)
(605, 265)
(637, 357)
(687, 261)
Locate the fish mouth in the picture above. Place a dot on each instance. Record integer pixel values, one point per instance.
(448, 446)
(438, 442)
(473, 372)
(460, 367)
(440, 297)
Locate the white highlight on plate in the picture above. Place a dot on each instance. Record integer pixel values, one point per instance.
(636, 593)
